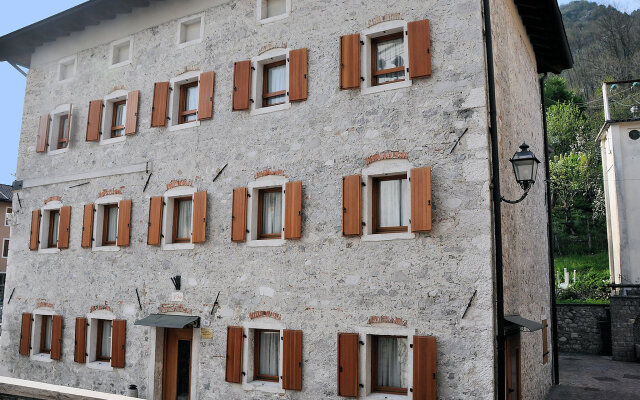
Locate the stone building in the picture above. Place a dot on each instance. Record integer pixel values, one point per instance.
(5, 215)
(291, 199)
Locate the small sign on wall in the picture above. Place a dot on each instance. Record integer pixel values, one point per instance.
(206, 333)
(177, 296)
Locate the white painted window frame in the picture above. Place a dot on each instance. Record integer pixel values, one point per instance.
(98, 222)
(6, 215)
(257, 74)
(71, 60)
(382, 29)
(45, 214)
(2, 250)
(174, 100)
(188, 21)
(265, 182)
(107, 117)
(261, 9)
(36, 333)
(92, 339)
(118, 44)
(248, 381)
(167, 218)
(52, 139)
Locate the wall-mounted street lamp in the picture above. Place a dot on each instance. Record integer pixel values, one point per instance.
(525, 168)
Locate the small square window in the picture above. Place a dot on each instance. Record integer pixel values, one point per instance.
(270, 10)
(7, 213)
(121, 52)
(110, 225)
(389, 364)
(66, 69)
(5, 248)
(274, 80)
(387, 63)
(182, 212)
(266, 355)
(54, 222)
(103, 339)
(118, 118)
(190, 30)
(45, 334)
(188, 102)
(390, 204)
(270, 213)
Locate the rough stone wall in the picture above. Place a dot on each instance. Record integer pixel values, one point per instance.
(524, 225)
(579, 329)
(321, 284)
(625, 312)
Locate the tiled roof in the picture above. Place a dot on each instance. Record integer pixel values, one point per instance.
(5, 192)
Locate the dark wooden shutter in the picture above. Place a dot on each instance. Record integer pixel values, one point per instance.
(199, 217)
(43, 134)
(424, 368)
(118, 342)
(154, 235)
(233, 372)
(124, 223)
(293, 210)
(79, 354)
(160, 103)
(25, 335)
(545, 341)
(131, 121)
(352, 205)
(298, 75)
(35, 230)
(87, 226)
(63, 227)
(93, 121)
(56, 337)
(350, 61)
(239, 215)
(348, 354)
(241, 85)
(205, 95)
(292, 360)
(421, 199)
(419, 34)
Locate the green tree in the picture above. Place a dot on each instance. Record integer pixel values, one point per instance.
(556, 92)
(568, 175)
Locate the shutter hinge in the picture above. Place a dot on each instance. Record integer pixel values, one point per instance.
(407, 69)
(253, 68)
(170, 89)
(244, 373)
(248, 194)
(364, 223)
(244, 336)
(251, 100)
(361, 343)
(362, 78)
(428, 202)
(406, 33)
(362, 42)
(434, 375)
(364, 184)
(411, 390)
(411, 345)
(287, 93)
(361, 385)
(162, 236)
(169, 118)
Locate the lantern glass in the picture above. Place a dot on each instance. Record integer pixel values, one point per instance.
(525, 167)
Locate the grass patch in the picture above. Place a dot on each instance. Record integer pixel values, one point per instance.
(586, 301)
(592, 273)
(582, 263)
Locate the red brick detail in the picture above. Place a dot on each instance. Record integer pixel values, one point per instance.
(268, 172)
(271, 46)
(100, 307)
(44, 304)
(107, 192)
(166, 308)
(388, 155)
(383, 319)
(262, 314)
(179, 182)
(383, 18)
(53, 198)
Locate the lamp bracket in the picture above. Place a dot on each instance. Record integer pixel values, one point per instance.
(526, 192)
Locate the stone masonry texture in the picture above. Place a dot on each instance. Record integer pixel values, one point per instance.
(625, 314)
(579, 330)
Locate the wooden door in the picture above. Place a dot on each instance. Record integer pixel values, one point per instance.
(512, 367)
(176, 377)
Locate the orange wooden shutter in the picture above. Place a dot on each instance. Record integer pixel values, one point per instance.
(545, 341)
(124, 223)
(348, 354)
(421, 199)
(35, 230)
(241, 85)
(419, 34)
(424, 368)
(293, 210)
(80, 355)
(93, 121)
(87, 226)
(131, 121)
(56, 337)
(25, 335)
(160, 103)
(292, 360)
(63, 227)
(233, 371)
(352, 205)
(350, 61)
(239, 215)
(154, 235)
(205, 95)
(118, 342)
(199, 217)
(43, 134)
(298, 75)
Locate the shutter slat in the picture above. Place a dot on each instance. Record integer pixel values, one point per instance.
(93, 121)
(293, 210)
(241, 85)
(419, 33)
(80, 355)
(205, 95)
(43, 134)
(350, 61)
(124, 223)
(118, 342)
(35, 230)
(292, 360)
(352, 205)
(233, 371)
(160, 103)
(87, 226)
(63, 227)
(298, 75)
(348, 354)
(25, 335)
(239, 215)
(421, 199)
(56, 337)
(155, 221)
(131, 121)
(424, 368)
(199, 217)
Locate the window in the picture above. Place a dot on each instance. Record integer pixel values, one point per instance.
(55, 130)
(54, 221)
(103, 341)
(190, 30)
(63, 130)
(389, 363)
(387, 63)
(273, 10)
(110, 225)
(270, 213)
(274, 84)
(5, 248)
(188, 102)
(7, 212)
(182, 211)
(266, 355)
(66, 68)
(121, 52)
(118, 118)
(390, 204)
(45, 334)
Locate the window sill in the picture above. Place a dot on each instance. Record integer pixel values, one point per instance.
(120, 64)
(48, 251)
(273, 19)
(187, 125)
(388, 396)
(178, 246)
(264, 386)
(41, 357)
(100, 365)
(119, 139)
(106, 248)
(380, 237)
(189, 43)
(58, 151)
(266, 243)
(384, 88)
(266, 110)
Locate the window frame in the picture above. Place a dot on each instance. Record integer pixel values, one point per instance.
(99, 221)
(174, 225)
(261, 8)
(256, 356)
(117, 45)
(108, 112)
(265, 82)
(375, 388)
(175, 84)
(278, 182)
(114, 113)
(182, 112)
(5, 245)
(375, 73)
(105, 224)
(261, 192)
(55, 128)
(50, 229)
(8, 211)
(62, 142)
(375, 204)
(258, 85)
(99, 333)
(43, 333)
(190, 20)
(168, 207)
(67, 62)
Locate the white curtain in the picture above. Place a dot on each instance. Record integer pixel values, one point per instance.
(271, 212)
(112, 221)
(47, 332)
(390, 54)
(56, 222)
(276, 81)
(393, 203)
(269, 353)
(121, 113)
(184, 219)
(392, 362)
(106, 339)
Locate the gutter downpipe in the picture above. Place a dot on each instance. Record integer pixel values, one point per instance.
(500, 380)
(552, 276)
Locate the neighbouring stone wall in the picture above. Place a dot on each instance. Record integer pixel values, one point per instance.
(625, 312)
(579, 329)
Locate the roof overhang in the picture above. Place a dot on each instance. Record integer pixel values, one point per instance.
(525, 325)
(169, 321)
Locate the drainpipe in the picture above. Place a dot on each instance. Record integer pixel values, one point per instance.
(552, 275)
